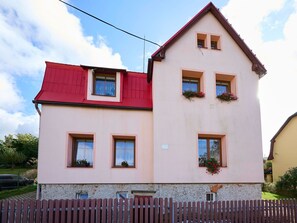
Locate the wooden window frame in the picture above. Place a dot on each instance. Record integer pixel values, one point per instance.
(201, 37)
(105, 74)
(215, 39)
(115, 138)
(208, 138)
(190, 81)
(223, 83)
(74, 142)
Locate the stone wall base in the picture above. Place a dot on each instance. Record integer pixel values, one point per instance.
(179, 192)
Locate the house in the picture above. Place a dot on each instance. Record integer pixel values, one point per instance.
(283, 148)
(115, 133)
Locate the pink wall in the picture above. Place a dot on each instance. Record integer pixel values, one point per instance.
(57, 122)
(178, 121)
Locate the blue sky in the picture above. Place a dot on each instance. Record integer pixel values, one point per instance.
(34, 31)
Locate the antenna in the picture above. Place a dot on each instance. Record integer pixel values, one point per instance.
(143, 63)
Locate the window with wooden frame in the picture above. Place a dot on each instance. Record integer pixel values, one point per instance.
(201, 40)
(223, 87)
(209, 147)
(124, 152)
(215, 42)
(104, 84)
(225, 83)
(192, 81)
(82, 151)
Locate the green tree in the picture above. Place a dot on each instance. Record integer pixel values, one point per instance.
(11, 157)
(26, 144)
(288, 182)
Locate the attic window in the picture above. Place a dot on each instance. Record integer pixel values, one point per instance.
(201, 40)
(215, 42)
(104, 85)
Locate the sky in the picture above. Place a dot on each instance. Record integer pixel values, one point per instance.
(34, 31)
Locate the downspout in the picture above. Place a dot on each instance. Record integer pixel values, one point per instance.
(37, 108)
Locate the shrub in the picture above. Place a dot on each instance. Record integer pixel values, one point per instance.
(30, 174)
(269, 187)
(288, 182)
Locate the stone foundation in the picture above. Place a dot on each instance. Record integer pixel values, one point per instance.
(179, 192)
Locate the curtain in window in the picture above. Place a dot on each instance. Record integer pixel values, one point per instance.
(124, 151)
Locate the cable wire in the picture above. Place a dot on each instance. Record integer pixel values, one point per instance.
(109, 24)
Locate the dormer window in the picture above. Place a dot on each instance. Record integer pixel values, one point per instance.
(201, 40)
(105, 84)
(215, 42)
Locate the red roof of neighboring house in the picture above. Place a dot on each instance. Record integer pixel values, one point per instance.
(272, 141)
(257, 66)
(67, 85)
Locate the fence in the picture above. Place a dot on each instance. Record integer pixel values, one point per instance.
(147, 211)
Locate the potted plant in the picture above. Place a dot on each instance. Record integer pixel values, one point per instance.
(212, 166)
(81, 163)
(227, 97)
(124, 163)
(190, 94)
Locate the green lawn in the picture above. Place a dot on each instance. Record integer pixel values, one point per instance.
(13, 170)
(271, 196)
(22, 190)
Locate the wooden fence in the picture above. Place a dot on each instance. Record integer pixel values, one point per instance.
(147, 211)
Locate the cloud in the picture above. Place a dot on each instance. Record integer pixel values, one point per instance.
(278, 88)
(32, 32)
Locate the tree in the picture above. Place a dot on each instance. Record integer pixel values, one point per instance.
(288, 182)
(11, 157)
(20, 147)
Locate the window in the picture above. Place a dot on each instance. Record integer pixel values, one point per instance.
(201, 40)
(222, 87)
(122, 194)
(215, 42)
(105, 84)
(124, 152)
(191, 81)
(225, 83)
(81, 151)
(190, 84)
(82, 195)
(210, 197)
(209, 147)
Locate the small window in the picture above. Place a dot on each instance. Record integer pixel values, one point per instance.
(209, 147)
(105, 84)
(222, 87)
(210, 197)
(215, 42)
(82, 195)
(226, 87)
(82, 151)
(124, 152)
(190, 84)
(201, 40)
(122, 194)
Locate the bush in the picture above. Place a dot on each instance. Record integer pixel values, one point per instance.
(30, 174)
(287, 183)
(269, 187)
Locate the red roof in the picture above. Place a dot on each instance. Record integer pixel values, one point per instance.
(67, 85)
(257, 66)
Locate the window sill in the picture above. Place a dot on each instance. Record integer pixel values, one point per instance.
(199, 47)
(87, 167)
(99, 95)
(216, 49)
(124, 167)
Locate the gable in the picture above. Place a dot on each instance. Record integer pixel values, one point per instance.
(160, 54)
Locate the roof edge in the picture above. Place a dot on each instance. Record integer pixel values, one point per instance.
(272, 141)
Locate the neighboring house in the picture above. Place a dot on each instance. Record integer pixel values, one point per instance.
(283, 146)
(95, 118)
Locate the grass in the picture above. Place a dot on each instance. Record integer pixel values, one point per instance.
(22, 190)
(271, 196)
(13, 170)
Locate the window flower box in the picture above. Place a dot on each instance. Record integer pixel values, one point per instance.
(227, 97)
(212, 166)
(191, 94)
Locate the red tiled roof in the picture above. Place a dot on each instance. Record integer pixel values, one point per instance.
(257, 66)
(67, 84)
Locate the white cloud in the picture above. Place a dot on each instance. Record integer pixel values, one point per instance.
(278, 88)
(32, 32)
